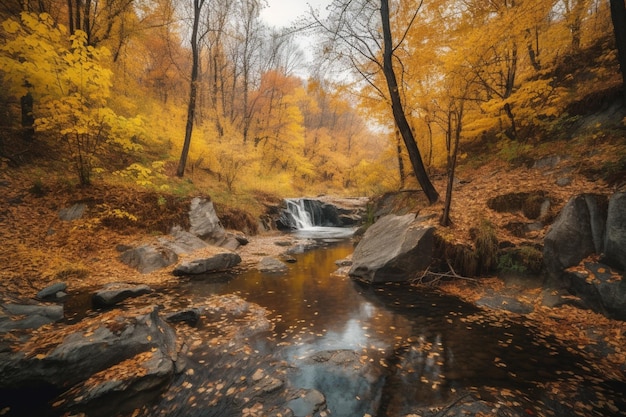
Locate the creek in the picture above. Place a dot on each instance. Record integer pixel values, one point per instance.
(419, 348)
(385, 350)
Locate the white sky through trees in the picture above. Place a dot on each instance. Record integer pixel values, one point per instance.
(282, 13)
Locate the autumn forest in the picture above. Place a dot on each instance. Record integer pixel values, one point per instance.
(108, 86)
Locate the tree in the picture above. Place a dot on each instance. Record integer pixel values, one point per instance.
(69, 86)
(398, 110)
(618, 16)
(193, 86)
(353, 34)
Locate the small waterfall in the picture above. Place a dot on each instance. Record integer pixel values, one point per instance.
(312, 218)
(298, 216)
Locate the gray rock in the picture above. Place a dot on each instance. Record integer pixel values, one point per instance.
(52, 290)
(204, 222)
(340, 368)
(72, 213)
(88, 348)
(184, 242)
(575, 234)
(395, 248)
(307, 403)
(149, 258)
(270, 265)
(600, 288)
(28, 316)
(115, 293)
(190, 316)
(615, 241)
(215, 263)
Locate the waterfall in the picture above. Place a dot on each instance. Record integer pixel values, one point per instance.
(312, 218)
(298, 216)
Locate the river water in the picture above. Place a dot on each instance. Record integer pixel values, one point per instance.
(420, 349)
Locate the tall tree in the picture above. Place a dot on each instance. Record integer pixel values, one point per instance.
(354, 35)
(193, 86)
(618, 16)
(398, 110)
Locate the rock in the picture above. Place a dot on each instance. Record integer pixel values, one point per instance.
(270, 265)
(136, 382)
(214, 263)
(204, 221)
(72, 213)
(576, 233)
(341, 375)
(548, 162)
(615, 241)
(394, 248)
(88, 347)
(190, 316)
(115, 293)
(184, 242)
(307, 403)
(600, 288)
(28, 316)
(52, 290)
(149, 258)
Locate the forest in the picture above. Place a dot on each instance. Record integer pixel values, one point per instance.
(144, 93)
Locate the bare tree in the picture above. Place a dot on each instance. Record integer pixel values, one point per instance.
(193, 87)
(357, 32)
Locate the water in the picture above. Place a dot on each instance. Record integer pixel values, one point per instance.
(416, 348)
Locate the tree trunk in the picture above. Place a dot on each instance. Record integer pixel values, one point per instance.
(398, 110)
(618, 16)
(193, 88)
(452, 144)
(400, 161)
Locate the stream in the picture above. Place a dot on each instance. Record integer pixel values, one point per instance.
(389, 350)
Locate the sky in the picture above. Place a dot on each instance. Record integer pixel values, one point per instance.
(281, 13)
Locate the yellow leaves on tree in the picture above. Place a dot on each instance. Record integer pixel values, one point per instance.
(71, 87)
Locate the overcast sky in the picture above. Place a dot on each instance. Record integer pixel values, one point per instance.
(282, 13)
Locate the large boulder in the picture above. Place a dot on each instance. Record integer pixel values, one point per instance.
(615, 241)
(204, 222)
(395, 248)
(577, 233)
(213, 263)
(73, 354)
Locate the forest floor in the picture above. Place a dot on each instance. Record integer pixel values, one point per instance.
(39, 249)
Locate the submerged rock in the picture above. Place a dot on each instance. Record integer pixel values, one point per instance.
(270, 265)
(395, 248)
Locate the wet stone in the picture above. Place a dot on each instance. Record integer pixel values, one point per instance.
(307, 403)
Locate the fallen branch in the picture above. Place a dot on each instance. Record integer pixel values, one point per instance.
(433, 278)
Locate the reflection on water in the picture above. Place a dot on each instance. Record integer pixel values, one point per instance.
(413, 347)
